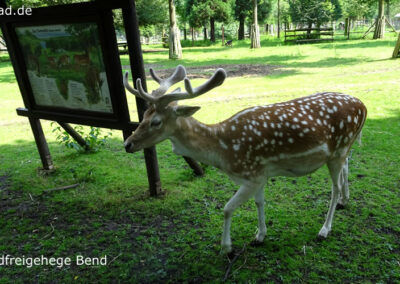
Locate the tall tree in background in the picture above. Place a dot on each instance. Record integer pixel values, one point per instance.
(242, 9)
(180, 6)
(243, 12)
(175, 49)
(380, 21)
(255, 30)
(309, 12)
(211, 11)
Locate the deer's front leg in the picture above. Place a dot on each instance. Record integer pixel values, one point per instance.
(262, 228)
(241, 196)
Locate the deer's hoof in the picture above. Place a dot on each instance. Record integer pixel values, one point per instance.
(226, 248)
(340, 206)
(256, 243)
(323, 234)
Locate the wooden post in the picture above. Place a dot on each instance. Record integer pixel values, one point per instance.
(137, 69)
(197, 169)
(75, 135)
(279, 20)
(41, 144)
(397, 48)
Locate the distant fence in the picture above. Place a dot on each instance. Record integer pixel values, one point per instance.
(305, 35)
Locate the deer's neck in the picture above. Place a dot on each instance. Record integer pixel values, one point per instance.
(197, 140)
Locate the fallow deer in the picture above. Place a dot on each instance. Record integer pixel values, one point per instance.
(81, 59)
(292, 138)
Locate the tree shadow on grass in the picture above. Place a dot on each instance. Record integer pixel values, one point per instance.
(359, 44)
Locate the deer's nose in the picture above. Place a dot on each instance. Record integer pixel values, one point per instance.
(128, 147)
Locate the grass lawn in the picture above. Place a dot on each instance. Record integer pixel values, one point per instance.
(176, 237)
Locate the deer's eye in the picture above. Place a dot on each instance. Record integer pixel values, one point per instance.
(156, 122)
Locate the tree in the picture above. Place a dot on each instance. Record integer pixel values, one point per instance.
(203, 11)
(180, 6)
(151, 12)
(175, 49)
(380, 21)
(244, 10)
(309, 12)
(255, 30)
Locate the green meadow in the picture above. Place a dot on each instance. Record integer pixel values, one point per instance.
(176, 237)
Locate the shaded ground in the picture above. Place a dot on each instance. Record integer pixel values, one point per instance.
(237, 70)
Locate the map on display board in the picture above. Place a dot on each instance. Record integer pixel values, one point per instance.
(65, 66)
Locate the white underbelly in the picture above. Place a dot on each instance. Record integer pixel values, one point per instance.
(297, 164)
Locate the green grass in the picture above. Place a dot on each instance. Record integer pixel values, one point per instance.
(176, 237)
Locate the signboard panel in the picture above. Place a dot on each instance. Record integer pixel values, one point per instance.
(65, 66)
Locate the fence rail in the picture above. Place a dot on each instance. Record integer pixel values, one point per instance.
(305, 35)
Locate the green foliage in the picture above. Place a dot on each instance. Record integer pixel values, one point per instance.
(317, 12)
(355, 9)
(93, 138)
(152, 12)
(244, 9)
(199, 12)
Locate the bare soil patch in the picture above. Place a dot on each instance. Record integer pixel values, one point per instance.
(232, 70)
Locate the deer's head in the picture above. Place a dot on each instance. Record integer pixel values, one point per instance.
(160, 119)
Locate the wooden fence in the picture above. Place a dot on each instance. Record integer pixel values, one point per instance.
(306, 35)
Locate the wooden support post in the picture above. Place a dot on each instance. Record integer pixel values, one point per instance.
(396, 51)
(41, 144)
(390, 25)
(137, 69)
(197, 169)
(370, 28)
(75, 135)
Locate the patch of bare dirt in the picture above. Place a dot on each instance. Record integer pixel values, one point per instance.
(237, 70)
(232, 70)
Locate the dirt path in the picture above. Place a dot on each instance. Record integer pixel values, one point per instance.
(232, 70)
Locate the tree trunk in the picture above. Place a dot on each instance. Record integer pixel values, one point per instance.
(175, 49)
(309, 29)
(255, 31)
(388, 10)
(192, 30)
(380, 21)
(223, 35)
(279, 19)
(205, 33)
(212, 29)
(347, 28)
(185, 33)
(241, 28)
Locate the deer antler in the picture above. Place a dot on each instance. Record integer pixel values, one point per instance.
(158, 98)
(216, 80)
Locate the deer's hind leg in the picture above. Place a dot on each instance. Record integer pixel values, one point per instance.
(344, 192)
(335, 169)
(262, 228)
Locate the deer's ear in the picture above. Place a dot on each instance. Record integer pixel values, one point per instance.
(185, 111)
